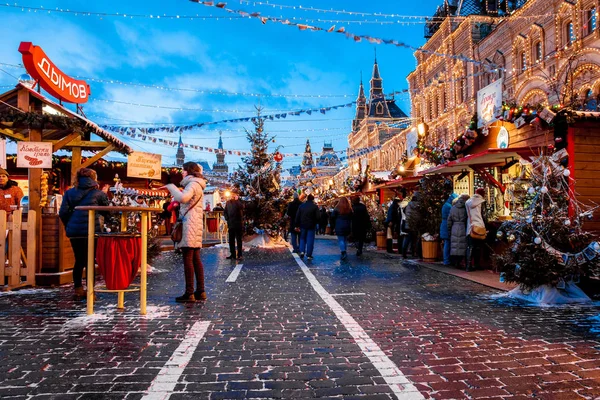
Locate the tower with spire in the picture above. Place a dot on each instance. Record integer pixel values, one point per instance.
(220, 165)
(378, 107)
(307, 160)
(361, 106)
(180, 156)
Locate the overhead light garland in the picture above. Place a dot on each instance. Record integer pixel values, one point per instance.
(334, 29)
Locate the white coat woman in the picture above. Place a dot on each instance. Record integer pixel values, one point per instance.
(192, 214)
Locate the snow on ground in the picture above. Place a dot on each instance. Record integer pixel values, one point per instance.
(27, 291)
(83, 321)
(546, 295)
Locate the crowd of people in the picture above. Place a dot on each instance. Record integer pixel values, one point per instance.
(306, 219)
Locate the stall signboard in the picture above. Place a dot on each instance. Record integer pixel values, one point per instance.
(34, 155)
(502, 140)
(50, 78)
(144, 165)
(3, 153)
(489, 103)
(411, 142)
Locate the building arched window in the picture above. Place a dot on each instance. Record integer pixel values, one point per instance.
(379, 109)
(569, 33)
(522, 61)
(539, 54)
(590, 22)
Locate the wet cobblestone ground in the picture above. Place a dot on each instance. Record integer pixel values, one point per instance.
(271, 335)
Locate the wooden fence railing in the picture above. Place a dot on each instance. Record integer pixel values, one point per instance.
(17, 262)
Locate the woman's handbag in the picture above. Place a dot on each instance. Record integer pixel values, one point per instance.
(478, 232)
(177, 232)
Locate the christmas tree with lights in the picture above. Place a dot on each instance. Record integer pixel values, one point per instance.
(258, 182)
(548, 249)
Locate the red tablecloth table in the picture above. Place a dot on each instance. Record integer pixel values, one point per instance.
(119, 259)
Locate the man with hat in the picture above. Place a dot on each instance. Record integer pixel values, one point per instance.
(234, 215)
(10, 193)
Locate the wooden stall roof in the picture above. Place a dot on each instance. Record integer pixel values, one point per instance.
(402, 182)
(489, 158)
(9, 101)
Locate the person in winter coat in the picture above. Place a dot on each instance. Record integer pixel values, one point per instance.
(343, 224)
(234, 215)
(361, 224)
(84, 193)
(323, 220)
(291, 211)
(457, 230)
(10, 193)
(307, 219)
(444, 234)
(474, 218)
(411, 212)
(391, 221)
(190, 200)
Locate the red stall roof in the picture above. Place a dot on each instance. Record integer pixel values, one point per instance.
(488, 158)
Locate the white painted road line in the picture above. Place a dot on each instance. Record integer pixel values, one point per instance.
(234, 274)
(348, 294)
(395, 379)
(162, 386)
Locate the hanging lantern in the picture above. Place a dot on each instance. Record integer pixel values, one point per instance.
(278, 157)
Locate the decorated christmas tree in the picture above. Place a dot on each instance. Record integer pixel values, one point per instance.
(258, 181)
(547, 245)
(434, 191)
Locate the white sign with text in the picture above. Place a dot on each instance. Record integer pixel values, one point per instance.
(144, 165)
(489, 103)
(34, 155)
(3, 153)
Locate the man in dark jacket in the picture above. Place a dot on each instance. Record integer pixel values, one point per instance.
(292, 210)
(391, 221)
(85, 193)
(10, 193)
(234, 215)
(361, 223)
(307, 219)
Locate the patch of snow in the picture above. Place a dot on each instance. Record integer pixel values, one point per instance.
(153, 270)
(548, 295)
(27, 291)
(266, 241)
(153, 312)
(82, 322)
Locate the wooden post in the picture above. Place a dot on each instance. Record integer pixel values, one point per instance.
(143, 281)
(35, 191)
(75, 163)
(32, 234)
(90, 261)
(2, 247)
(14, 277)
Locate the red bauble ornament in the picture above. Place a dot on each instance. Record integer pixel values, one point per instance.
(278, 157)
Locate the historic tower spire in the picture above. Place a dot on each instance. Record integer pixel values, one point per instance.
(361, 106)
(180, 156)
(220, 165)
(377, 105)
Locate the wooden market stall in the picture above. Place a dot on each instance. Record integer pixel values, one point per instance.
(494, 161)
(28, 116)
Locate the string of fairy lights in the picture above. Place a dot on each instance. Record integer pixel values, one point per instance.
(395, 18)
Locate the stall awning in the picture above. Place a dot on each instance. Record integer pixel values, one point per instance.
(402, 182)
(54, 133)
(154, 192)
(488, 158)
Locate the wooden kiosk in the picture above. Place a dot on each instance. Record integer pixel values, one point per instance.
(28, 116)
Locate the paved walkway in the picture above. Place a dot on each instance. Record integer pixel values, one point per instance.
(279, 327)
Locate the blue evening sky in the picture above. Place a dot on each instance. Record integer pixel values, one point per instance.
(238, 55)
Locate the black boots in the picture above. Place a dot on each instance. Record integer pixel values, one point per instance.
(186, 298)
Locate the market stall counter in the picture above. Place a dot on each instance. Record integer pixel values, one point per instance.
(118, 243)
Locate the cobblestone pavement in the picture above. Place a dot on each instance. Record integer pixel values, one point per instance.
(369, 328)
